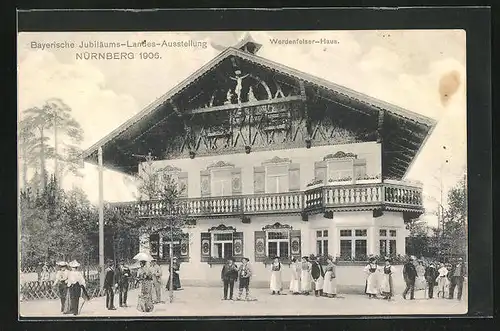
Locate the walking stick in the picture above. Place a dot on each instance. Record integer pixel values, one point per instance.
(79, 310)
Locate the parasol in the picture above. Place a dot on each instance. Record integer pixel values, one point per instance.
(143, 257)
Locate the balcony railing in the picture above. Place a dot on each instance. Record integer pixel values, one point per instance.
(399, 196)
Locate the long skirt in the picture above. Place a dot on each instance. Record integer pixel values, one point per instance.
(145, 299)
(371, 284)
(75, 292)
(305, 281)
(62, 291)
(276, 284)
(330, 283)
(387, 287)
(420, 283)
(294, 284)
(318, 283)
(176, 282)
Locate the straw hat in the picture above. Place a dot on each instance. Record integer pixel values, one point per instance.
(62, 263)
(74, 264)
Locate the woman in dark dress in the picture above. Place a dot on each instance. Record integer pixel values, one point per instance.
(174, 274)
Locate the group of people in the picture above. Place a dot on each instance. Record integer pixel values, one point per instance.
(447, 278)
(70, 284)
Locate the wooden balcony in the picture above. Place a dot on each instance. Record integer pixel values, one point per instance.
(389, 196)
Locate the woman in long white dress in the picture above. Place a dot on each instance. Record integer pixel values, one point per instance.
(276, 284)
(305, 276)
(420, 282)
(442, 280)
(387, 286)
(371, 286)
(295, 279)
(330, 281)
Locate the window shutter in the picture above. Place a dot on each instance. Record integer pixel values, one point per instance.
(183, 184)
(295, 243)
(320, 171)
(259, 178)
(236, 180)
(260, 246)
(185, 245)
(205, 183)
(238, 245)
(294, 177)
(205, 246)
(359, 168)
(154, 242)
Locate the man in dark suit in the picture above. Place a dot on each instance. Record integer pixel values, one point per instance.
(430, 275)
(317, 275)
(110, 285)
(122, 278)
(409, 275)
(229, 274)
(457, 275)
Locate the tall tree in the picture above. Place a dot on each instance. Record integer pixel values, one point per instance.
(64, 126)
(455, 221)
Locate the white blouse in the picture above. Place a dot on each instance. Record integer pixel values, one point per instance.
(75, 276)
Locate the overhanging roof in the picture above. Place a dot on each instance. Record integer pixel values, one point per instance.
(155, 113)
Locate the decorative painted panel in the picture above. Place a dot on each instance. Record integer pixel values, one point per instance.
(185, 245)
(259, 179)
(260, 246)
(320, 171)
(236, 180)
(238, 250)
(295, 243)
(205, 246)
(205, 183)
(183, 184)
(294, 177)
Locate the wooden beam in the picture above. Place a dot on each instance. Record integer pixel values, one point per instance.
(317, 94)
(302, 90)
(152, 127)
(398, 146)
(380, 125)
(400, 159)
(245, 104)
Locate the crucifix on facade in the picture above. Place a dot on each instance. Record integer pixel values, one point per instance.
(239, 81)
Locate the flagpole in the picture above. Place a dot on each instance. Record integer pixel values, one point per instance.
(101, 218)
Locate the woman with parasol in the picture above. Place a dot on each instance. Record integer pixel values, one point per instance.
(76, 288)
(145, 278)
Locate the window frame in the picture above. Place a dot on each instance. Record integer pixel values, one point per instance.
(214, 242)
(285, 176)
(331, 162)
(278, 241)
(353, 238)
(227, 171)
(323, 241)
(388, 238)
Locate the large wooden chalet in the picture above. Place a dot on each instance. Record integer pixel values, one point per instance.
(275, 162)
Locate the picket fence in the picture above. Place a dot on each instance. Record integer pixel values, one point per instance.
(39, 290)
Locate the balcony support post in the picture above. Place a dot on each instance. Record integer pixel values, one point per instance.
(101, 216)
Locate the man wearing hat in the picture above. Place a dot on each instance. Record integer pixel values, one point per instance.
(409, 275)
(110, 284)
(61, 282)
(430, 275)
(244, 274)
(229, 274)
(157, 273)
(317, 275)
(122, 278)
(458, 274)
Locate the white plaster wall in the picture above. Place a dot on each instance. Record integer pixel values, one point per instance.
(371, 151)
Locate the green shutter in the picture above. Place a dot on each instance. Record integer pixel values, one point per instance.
(205, 183)
(320, 171)
(295, 243)
(294, 177)
(259, 179)
(205, 246)
(183, 184)
(260, 246)
(238, 245)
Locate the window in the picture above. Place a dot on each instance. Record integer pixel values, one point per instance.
(356, 245)
(322, 242)
(176, 248)
(221, 182)
(222, 245)
(345, 233)
(387, 244)
(340, 169)
(277, 178)
(278, 244)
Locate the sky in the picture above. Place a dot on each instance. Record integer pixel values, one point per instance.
(420, 70)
